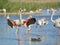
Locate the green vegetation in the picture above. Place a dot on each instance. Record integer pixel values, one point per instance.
(3, 3)
(14, 6)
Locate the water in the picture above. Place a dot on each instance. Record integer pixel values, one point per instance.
(49, 34)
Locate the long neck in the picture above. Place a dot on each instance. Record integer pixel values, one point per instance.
(52, 18)
(21, 18)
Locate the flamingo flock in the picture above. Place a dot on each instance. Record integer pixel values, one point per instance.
(26, 22)
(30, 20)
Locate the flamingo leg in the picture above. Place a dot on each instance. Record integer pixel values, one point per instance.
(28, 30)
(58, 38)
(17, 31)
(18, 35)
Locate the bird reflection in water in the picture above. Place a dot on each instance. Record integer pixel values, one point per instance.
(20, 42)
(28, 37)
(58, 37)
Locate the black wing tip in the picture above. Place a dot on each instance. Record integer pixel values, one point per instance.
(10, 23)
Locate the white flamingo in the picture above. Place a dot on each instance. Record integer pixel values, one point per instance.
(42, 22)
(39, 11)
(56, 21)
(4, 11)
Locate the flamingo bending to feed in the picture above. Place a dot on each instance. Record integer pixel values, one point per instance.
(56, 21)
(42, 22)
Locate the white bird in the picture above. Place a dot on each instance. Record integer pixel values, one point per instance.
(56, 21)
(39, 11)
(4, 11)
(51, 11)
(42, 22)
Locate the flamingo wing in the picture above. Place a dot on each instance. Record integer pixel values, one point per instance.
(10, 23)
(31, 21)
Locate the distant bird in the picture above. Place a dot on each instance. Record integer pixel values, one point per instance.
(42, 22)
(56, 21)
(51, 11)
(39, 11)
(4, 11)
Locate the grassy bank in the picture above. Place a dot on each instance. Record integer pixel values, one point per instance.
(14, 7)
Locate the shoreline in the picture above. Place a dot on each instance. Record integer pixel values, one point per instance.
(15, 13)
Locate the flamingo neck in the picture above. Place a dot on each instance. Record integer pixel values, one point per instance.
(21, 18)
(52, 18)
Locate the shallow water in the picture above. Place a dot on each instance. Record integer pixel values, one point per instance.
(49, 34)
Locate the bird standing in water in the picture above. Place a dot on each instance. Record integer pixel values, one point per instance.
(42, 22)
(27, 22)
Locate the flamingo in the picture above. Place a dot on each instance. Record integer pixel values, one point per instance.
(42, 22)
(12, 23)
(56, 21)
(4, 11)
(27, 22)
